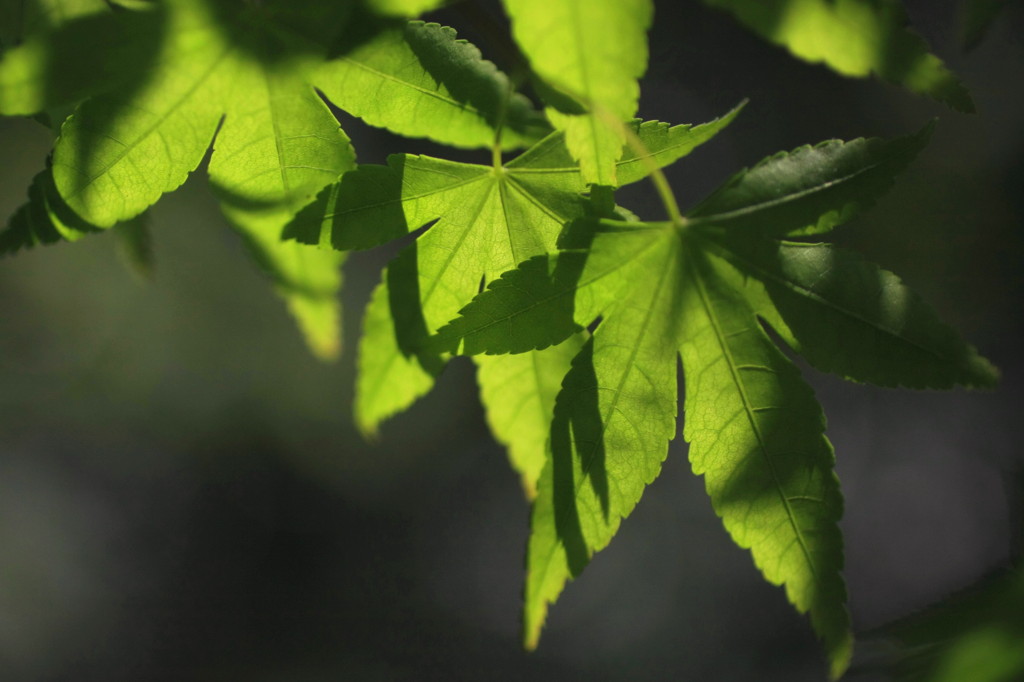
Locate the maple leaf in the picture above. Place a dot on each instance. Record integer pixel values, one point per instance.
(179, 74)
(156, 84)
(419, 80)
(855, 38)
(588, 55)
(698, 287)
(487, 220)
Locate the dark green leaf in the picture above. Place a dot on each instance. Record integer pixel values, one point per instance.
(857, 320)
(811, 189)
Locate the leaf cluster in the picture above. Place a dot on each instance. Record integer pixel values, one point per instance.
(575, 312)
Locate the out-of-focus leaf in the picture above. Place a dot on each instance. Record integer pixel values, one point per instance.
(135, 246)
(855, 38)
(973, 635)
(978, 16)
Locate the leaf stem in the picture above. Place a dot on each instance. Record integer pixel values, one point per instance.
(496, 151)
(661, 185)
(500, 126)
(668, 199)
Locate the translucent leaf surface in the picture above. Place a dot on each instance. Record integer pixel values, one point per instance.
(518, 393)
(375, 204)
(120, 152)
(756, 435)
(591, 52)
(755, 430)
(853, 318)
(404, 8)
(71, 53)
(488, 220)
(158, 83)
(279, 146)
(421, 81)
(20, 19)
(613, 420)
(548, 298)
(306, 277)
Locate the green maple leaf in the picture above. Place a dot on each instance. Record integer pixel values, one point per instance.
(518, 393)
(160, 84)
(419, 80)
(855, 38)
(698, 287)
(588, 55)
(488, 219)
(152, 103)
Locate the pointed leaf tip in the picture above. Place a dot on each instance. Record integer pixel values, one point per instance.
(811, 189)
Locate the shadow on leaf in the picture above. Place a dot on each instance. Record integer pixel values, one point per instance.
(577, 455)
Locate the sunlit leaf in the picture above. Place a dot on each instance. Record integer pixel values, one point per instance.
(307, 278)
(487, 221)
(519, 393)
(420, 81)
(404, 8)
(756, 433)
(590, 52)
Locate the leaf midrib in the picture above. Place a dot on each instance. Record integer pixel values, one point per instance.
(749, 410)
(787, 198)
(802, 290)
(579, 285)
(412, 197)
(629, 366)
(152, 128)
(430, 93)
(623, 161)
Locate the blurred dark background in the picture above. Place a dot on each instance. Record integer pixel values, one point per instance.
(183, 495)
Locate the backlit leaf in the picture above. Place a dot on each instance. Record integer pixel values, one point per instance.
(518, 392)
(756, 432)
(420, 81)
(487, 221)
(591, 52)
